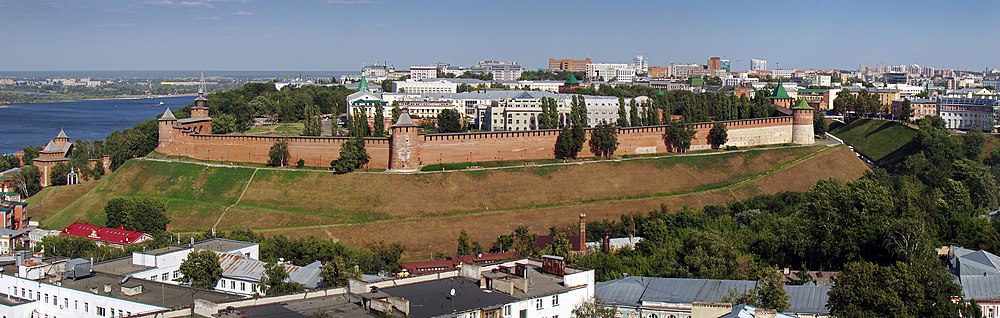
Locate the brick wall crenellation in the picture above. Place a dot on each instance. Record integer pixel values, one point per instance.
(459, 147)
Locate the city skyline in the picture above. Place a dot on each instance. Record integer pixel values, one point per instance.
(346, 34)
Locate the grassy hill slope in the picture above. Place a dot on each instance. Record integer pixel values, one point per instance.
(422, 210)
(880, 140)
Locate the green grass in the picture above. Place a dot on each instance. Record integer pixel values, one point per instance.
(882, 141)
(279, 129)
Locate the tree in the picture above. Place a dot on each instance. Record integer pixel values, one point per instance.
(819, 123)
(622, 114)
(28, 181)
(449, 121)
(275, 281)
(906, 110)
(278, 156)
(378, 128)
(923, 289)
(634, 114)
(594, 308)
(30, 153)
(223, 124)
(679, 137)
(313, 124)
(201, 269)
(464, 247)
(769, 294)
(604, 140)
(395, 111)
(336, 273)
(352, 156)
(566, 144)
(973, 143)
(141, 214)
(358, 125)
(718, 136)
(57, 176)
(549, 118)
(560, 245)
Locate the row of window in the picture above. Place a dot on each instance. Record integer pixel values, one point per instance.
(232, 285)
(39, 296)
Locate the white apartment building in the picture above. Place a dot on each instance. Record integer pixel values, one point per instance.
(419, 72)
(521, 288)
(611, 72)
(501, 70)
(758, 65)
(69, 288)
(425, 86)
(965, 113)
(640, 64)
(686, 70)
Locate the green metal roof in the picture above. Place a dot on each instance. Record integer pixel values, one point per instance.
(812, 90)
(802, 105)
(368, 102)
(363, 85)
(779, 93)
(572, 80)
(659, 92)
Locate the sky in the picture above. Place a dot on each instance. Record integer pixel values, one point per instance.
(326, 35)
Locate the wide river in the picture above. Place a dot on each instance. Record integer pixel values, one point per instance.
(35, 124)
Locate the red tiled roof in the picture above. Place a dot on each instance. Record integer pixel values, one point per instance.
(118, 236)
(434, 266)
(574, 241)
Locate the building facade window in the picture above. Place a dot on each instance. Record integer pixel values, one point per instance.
(555, 300)
(538, 303)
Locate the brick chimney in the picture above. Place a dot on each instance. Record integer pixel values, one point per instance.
(583, 232)
(606, 241)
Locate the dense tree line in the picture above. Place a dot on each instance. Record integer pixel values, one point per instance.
(880, 230)
(694, 107)
(863, 103)
(290, 104)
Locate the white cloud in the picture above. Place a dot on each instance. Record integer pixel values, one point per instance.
(244, 13)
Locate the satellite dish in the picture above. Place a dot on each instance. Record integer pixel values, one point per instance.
(452, 292)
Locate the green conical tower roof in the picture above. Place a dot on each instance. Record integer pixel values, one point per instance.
(802, 105)
(779, 92)
(363, 85)
(659, 92)
(572, 80)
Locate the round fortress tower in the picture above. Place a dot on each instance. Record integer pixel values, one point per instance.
(802, 124)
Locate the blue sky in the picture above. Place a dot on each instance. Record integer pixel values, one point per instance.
(38, 35)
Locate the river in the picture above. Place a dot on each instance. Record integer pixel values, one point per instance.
(35, 124)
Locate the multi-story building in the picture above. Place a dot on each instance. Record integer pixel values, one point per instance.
(54, 287)
(425, 86)
(491, 110)
(521, 288)
(639, 64)
(104, 236)
(659, 72)
(611, 72)
(569, 65)
(919, 107)
(965, 113)
(714, 65)
(419, 72)
(687, 70)
(758, 65)
(896, 78)
(501, 70)
(375, 70)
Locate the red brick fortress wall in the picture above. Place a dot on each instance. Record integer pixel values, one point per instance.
(463, 147)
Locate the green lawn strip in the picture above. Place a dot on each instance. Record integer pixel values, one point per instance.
(719, 186)
(880, 140)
